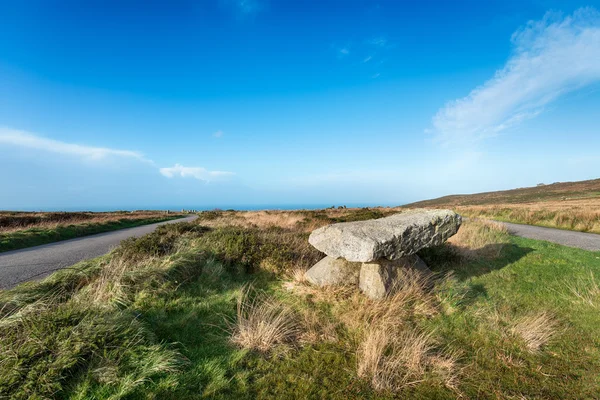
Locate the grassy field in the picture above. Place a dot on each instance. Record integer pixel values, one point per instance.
(218, 308)
(568, 205)
(577, 215)
(24, 229)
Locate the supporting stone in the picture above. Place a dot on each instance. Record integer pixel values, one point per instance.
(331, 271)
(378, 278)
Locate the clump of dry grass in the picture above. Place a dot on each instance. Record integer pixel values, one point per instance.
(298, 274)
(393, 359)
(586, 291)
(262, 322)
(480, 239)
(410, 296)
(109, 287)
(392, 353)
(371, 352)
(317, 328)
(535, 330)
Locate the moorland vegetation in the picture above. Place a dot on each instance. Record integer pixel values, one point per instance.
(219, 308)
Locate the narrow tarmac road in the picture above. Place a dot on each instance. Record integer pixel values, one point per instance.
(582, 240)
(40, 261)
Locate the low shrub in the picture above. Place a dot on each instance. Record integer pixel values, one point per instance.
(210, 215)
(361, 214)
(275, 249)
(159, 243)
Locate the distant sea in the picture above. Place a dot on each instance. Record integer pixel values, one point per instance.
(206, 208)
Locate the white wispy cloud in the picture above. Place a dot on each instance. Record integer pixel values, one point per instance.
(199, 173)
(218, 134)
(27, 140)
(380, 41)
(344, 51)
(551, 57)
(17, 138)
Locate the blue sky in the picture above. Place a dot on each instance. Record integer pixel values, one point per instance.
(234, 103)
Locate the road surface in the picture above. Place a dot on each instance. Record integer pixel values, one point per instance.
(18, 266)
(582, 240)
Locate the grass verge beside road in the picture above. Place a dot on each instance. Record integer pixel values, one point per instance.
(575, 215)
(191, 312)
(35, 236)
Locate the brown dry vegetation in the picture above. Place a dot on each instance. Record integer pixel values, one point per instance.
(262, 322)
(297, 221)
(578, 215)
(23, 229)
(535, 330)
(560, 191)
(11, 221)
(480, 239)
(567, 205)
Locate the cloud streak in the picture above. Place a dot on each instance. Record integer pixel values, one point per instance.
(202, 174)
(18, 138)
(22, 139)
(551, 57)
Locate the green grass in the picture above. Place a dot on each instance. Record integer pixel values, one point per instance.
(163, 329)
(37, 236)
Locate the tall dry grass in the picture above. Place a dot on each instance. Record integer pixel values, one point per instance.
(393, 360)
(255, 219)
(392, 353)
(535, 330)
(298, 221)
(262, 322)
(580, 215)
(479, 239)
(585, 291)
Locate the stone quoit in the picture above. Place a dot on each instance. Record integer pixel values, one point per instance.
(369, 253)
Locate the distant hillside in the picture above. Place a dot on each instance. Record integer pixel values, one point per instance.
(555, 191)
